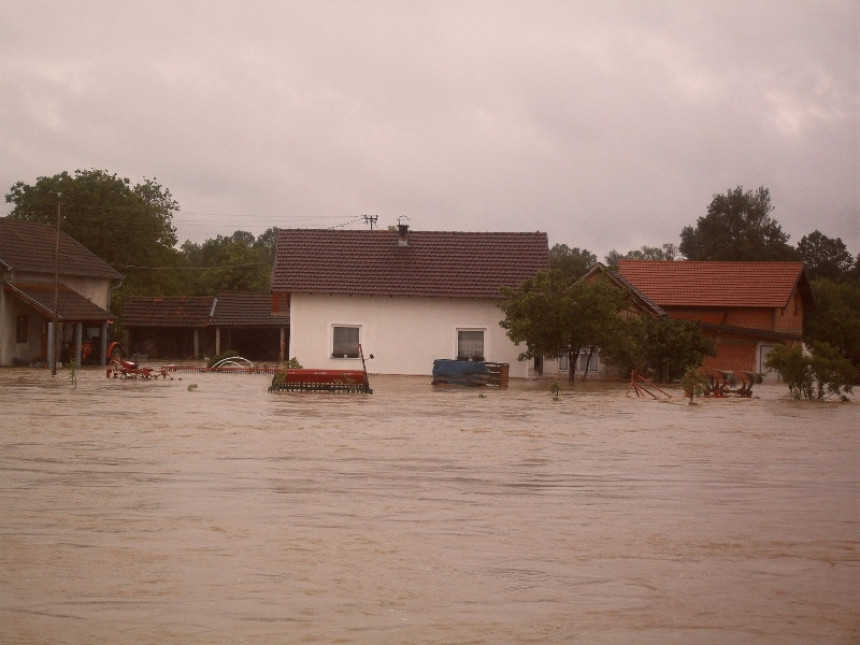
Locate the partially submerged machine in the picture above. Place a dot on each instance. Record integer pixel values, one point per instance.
(323, 380)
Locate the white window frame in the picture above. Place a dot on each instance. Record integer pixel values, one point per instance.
(483, 332)
(593, 366)
(341, 356)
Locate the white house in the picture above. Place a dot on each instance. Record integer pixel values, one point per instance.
(407, 297)
(34, 277)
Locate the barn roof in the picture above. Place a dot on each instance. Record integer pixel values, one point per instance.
(718, 284)
(25, 246)
(407, 263)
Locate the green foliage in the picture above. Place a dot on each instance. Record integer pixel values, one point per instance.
(572, 262)
(694, 381)
(129, 227)
(816, 375)
(230, 353)
(555, 316)
(836, 319)
(666, 347)
(73, 372)
(738, 226)
(668, 252)
(824, 257)
(235, 263)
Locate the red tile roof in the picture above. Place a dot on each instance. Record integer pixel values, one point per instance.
(717, 284)
(246, 310)
(156, 311)
(433, 263)
(71, 306)
(25, 246)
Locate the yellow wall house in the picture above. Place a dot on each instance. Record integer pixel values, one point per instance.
(51, 303)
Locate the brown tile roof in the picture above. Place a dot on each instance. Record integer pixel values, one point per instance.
(717, 284)
(225, 310)
(157, 311)
(643, 302)
(246, 310)
(25, 246)
(71, 306)
(434, 263)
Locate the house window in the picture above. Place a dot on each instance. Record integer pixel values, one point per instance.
(345, 342)
(563, 363)
(470, 344)
(21, 332)
(593, 364)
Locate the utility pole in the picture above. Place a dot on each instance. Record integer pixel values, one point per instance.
(370, 219)
(55, 341)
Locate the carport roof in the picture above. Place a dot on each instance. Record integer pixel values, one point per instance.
(71, 306)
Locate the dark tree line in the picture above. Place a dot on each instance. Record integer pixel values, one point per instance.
(131, 228)
(739, 226)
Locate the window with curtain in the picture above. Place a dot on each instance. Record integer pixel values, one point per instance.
(470, 344)
(345, 342)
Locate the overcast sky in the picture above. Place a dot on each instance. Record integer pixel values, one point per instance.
(609, 125)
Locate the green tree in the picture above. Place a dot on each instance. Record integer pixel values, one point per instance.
(667, 252)
(836, 319)
(128, 226)
(239, 262)
(738, 226)
(820, 374)
(824, 257)
(555, 316)
(665, 347)
(572, 262)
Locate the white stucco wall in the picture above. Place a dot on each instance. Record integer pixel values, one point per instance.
(405, 335)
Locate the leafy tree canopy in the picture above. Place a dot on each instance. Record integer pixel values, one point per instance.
(738, 226)
(667, 252)
(819, 374)
(128, 226)
(670, 347)
(824, 257)
(572, 262)
(555, 316)
(239, 262)
(836, 319)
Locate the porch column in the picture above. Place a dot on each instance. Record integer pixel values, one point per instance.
(79, 341)
(103, 348)
(282, 350)
(217, 341)
(196, 343)
(52, 346)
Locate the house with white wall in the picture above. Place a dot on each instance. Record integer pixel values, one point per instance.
(55, 295)
(407, 297)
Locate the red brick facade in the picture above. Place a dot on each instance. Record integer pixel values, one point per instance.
(747, 308)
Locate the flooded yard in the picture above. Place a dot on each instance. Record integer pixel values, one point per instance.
(207, 510)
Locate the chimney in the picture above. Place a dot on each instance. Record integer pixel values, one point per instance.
(402, 230)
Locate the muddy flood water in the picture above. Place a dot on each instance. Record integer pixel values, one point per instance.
(207, 510)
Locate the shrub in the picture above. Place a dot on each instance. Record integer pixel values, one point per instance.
(819, 374)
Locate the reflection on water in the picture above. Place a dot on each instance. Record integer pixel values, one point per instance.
(143, 512)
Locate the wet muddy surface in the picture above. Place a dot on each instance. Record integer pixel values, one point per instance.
(207, 510)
